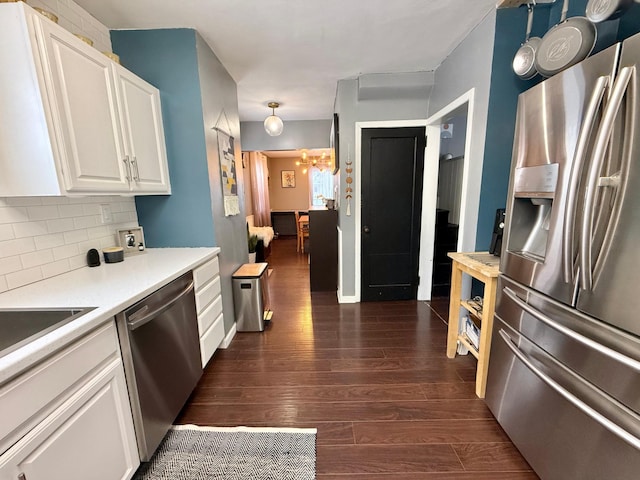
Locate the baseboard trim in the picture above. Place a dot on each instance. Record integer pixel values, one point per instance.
(228, 337)
(347, 298)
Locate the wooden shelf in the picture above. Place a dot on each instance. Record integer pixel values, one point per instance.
(483, 267)
(472, 308)
(467, 343)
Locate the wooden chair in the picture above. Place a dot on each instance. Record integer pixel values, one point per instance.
(302, 230)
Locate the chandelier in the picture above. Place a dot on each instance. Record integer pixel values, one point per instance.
(320, 160)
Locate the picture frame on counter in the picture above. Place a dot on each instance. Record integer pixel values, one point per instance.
(131, 240)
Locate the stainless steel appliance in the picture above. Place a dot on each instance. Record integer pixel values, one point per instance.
(161, 353)
(564, 376)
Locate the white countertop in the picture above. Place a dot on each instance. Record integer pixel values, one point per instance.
(110, 288)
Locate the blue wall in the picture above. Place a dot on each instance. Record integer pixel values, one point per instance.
(630, 22)
(503, 102)
(506, 86)
(168, 60)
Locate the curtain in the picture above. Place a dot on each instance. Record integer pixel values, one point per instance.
(260, 189)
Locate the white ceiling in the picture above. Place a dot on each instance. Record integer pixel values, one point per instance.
(295, 51)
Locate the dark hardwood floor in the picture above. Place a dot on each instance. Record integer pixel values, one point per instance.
(373, 378)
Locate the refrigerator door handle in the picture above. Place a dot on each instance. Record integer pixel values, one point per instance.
(604, 350)
(599, 152)
(570, 397)
(595, 103)
(612, 181)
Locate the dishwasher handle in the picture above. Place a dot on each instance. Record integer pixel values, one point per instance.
(133, 322)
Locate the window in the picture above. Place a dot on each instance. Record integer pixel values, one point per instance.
(320, 186)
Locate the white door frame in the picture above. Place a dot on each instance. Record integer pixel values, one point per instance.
(429, 187)
(357, 197)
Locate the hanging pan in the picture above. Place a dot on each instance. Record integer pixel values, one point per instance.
(524, 60)
(567, 43)
(602, 10)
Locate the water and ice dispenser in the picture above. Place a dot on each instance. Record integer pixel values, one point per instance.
(534, 191)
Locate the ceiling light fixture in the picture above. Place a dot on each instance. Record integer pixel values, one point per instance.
(273, 124)
(316, 159)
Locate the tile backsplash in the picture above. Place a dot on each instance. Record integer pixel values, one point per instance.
(41, 237)
(76, 19)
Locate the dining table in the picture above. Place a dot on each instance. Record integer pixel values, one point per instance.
(303, 231)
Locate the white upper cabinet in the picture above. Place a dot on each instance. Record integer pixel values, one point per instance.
(84, 105)
(141, 119)
(79, 124)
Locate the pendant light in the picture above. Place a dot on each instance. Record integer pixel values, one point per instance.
(273, 124)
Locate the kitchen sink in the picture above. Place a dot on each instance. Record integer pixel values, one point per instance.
(21, 326)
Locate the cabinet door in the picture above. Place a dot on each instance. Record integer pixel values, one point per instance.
(141, 119)
(90, 146)
(90, 436)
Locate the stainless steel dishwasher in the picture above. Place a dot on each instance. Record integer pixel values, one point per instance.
(161, 352)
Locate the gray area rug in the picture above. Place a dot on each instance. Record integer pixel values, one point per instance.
(190, 452)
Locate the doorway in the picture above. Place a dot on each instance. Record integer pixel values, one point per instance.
(391, 201)
(470, 191)
(453, 132)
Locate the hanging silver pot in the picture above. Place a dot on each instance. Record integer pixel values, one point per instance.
(567, 43)
(602, 10)
(524, 61)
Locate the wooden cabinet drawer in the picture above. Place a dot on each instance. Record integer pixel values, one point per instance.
(205, 273)
(27, 399)
(211, 339)
(206, 295)
(209, 315)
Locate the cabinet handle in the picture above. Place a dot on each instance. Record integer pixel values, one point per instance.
(22, 476)
(134, 162)
(127, 167)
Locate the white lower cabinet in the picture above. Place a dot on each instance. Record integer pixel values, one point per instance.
(206, 279)
(88, 436)
(87, 432)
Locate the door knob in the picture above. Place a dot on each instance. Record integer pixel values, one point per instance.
(366, 229)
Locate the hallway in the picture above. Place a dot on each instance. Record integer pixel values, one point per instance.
(373, 378)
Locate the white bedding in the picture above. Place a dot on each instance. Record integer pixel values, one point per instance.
(264, 233)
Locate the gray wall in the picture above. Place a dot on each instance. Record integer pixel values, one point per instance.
(220, 101)
(297, 134)
(469, 66)
(351, 109)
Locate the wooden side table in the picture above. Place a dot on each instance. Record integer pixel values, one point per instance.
(482, 266)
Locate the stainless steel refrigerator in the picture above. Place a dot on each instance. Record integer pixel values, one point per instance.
(564, 372)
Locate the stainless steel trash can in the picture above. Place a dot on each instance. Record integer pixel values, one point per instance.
(250, 297)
